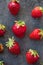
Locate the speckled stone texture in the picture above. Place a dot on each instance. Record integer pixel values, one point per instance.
(25, 43)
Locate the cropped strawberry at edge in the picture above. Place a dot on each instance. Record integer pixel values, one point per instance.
(36, 34)
(2, 30)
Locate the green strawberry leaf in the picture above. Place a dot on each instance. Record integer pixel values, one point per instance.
(1, 63)
(33, 52)
(2, 27)
(10, 42)
(21, 23)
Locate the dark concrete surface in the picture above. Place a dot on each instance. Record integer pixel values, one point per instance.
(25, 43)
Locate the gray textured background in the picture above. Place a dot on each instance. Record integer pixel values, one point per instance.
(25, 14)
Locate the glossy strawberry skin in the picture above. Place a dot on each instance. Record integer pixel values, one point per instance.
(30, 58)
(14, 7)
(2, 32)
(15, 49)
(35, 34)
(36, 13)
(19, 32)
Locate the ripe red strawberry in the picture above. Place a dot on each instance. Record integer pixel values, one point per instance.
(32, 56)
(19, 29)
(14, 7)
(37, 12)
(2, 30)
(37, 34)
(13, 46)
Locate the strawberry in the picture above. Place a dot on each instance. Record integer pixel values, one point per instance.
(13, 46)
(14, 7)
(36, 34)
(1, 48)
(2, 30)
(1, 62)
(37, 12)
(32, 56)
(19, 28)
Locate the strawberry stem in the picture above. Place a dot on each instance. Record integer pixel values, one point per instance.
(14, 0)
(41, 63)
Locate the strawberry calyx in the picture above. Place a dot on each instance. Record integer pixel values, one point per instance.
(10, 42)
(1, 63)
(40, 8)
(15, 0)
(41, 33)
(34, 52)
(20, 23)
(2, 27)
